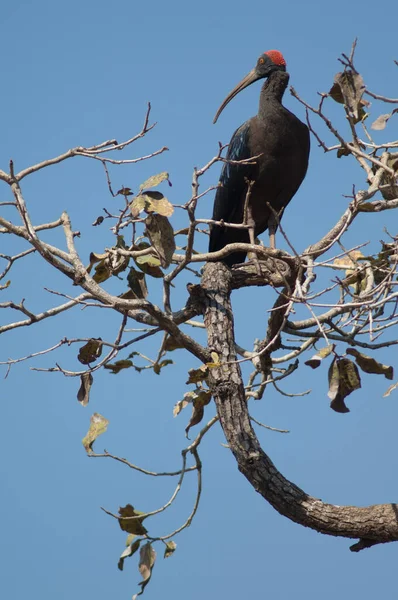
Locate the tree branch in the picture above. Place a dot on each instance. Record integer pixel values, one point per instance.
(378, 523)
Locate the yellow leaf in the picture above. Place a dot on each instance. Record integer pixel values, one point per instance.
(154, 181)
(170, 549)
(317, 358)
(98, 425)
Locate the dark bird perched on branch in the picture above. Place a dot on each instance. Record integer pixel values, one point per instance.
(281, 143)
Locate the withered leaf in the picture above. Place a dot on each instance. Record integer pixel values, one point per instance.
(348, 89)
(83, 395)
(98, 425)
(98, 221)
(102, 271)
(156, 202)
(130, 525)
(128, 295)
(118, 366)
(95, 258)
(201, 399)
(171, 344)
(132, 549)
(157, 367)
(124, 191)
(370, 365)
(170, 549)
(343, 152)
(90, 351)
(138, 205)
(392, 387)
(343, 379)
(197, 375)
(145, 566)
(161, 235)
(137, 283)
(181, 404)
(381, 121)
(316, 360)
(355, 274)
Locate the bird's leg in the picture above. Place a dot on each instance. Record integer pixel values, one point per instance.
(250, 222)
(272, 227)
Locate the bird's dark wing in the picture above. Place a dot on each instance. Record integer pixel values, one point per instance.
(229, 200)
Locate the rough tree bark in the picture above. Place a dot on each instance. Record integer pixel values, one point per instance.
(372, 525)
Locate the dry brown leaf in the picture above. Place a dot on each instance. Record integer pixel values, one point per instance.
(83, 395)
(161, 235)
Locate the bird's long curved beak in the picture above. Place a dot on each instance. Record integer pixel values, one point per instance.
(248, 80)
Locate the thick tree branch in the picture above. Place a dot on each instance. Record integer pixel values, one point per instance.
(375, 524)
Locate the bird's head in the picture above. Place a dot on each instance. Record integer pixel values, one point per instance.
(268, 63)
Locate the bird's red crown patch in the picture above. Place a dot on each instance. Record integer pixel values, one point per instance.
(276, 57)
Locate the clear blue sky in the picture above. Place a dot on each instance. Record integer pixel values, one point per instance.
(77, 73)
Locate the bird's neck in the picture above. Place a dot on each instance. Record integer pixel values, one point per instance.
(273, 90)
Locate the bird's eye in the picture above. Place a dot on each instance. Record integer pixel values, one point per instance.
(260, 61)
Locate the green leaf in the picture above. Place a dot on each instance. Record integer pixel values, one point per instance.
(161, 235)
(118, 366)
(370, 365)
(154, 181)
(83, 395)
(129, 524)
(98, 425)
(90, 351)
(316, 360)
(148, 263)
(170, 549)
